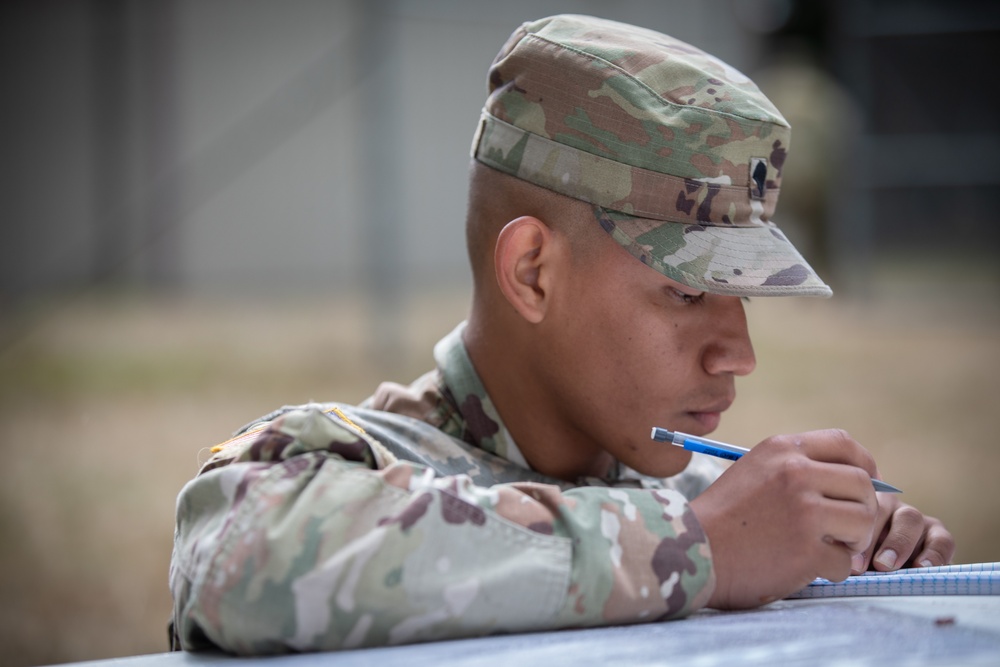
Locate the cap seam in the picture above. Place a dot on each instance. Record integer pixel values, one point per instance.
(656, 95)
(638, 212)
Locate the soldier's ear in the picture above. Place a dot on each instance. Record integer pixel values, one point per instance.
(526, 260)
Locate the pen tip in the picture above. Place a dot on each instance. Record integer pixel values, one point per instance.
(885, 487)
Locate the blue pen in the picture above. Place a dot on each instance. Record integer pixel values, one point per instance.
(721, 450)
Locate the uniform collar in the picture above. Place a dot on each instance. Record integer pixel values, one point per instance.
(481, 423)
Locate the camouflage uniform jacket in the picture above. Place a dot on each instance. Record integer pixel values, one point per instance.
(414, 517)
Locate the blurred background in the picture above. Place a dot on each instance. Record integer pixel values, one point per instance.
(215, 207)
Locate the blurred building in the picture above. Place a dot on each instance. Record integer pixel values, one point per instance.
(258, 145)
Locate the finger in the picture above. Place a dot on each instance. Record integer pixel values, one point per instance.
(859, 562)
(938, 547)
(798, 472)
(887, 504)
(836, 446)
(834, 561)
(838, 502)
(850, 524)
(905, 534)
(848, 508)
(839, 481)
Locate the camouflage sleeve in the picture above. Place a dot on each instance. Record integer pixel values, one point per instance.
(306, 535)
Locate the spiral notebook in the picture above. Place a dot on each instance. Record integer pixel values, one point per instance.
(967, 579)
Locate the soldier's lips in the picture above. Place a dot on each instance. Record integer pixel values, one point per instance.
(708, 421)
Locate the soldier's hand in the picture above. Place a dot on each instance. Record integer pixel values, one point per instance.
(794, 508)
(904, 538)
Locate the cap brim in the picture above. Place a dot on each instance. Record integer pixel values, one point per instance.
(755, 260)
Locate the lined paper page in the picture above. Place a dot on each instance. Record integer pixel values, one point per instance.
(966, 579)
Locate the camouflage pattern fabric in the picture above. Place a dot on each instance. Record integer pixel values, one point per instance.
(680, 154)
(410, 518)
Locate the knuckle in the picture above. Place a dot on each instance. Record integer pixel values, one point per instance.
(840, 435)
(933, 555)
(792, 471)
(855, 450)
(909, 517)
(942, 543)
(781, 442)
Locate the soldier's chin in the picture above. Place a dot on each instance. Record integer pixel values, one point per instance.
(666, 463)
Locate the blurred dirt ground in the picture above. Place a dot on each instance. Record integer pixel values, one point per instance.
(106, 403)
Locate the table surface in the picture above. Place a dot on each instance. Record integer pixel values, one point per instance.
(911, 630)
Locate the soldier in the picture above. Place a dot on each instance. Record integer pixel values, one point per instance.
(621, 196)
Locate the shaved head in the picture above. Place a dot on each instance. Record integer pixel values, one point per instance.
(496, 198)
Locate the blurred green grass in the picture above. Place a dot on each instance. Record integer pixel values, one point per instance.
(108, 401)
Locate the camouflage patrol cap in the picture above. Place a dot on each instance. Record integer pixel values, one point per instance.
(679, 153)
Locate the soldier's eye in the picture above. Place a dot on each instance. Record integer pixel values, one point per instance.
(689, 298)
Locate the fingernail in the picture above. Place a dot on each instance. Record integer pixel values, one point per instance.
(887, 558)
(926, 563)
(857, 562)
